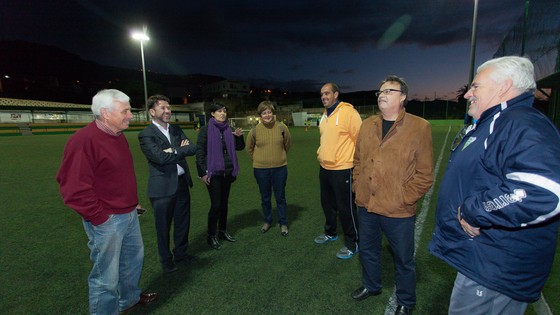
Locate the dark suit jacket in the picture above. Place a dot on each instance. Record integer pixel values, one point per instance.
(163, 166)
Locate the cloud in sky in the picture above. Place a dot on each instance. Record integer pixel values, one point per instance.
(258, 26)
(355, 43)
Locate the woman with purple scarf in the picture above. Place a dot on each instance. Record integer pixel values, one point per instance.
(216, 162)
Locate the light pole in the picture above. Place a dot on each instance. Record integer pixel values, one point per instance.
(524, 27)
(473, 49)
(473, 41)
(142, 36)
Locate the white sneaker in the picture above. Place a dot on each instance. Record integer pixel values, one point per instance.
(323, 238)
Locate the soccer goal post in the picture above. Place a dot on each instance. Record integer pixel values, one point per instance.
(245, 123)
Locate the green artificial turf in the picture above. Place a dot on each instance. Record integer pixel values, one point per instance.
(44, 259)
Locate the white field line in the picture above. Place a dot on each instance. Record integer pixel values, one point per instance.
(392, 303)
(541, 307)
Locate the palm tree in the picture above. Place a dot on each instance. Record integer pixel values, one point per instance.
(461, 92)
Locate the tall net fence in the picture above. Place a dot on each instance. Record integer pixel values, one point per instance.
(537, 36)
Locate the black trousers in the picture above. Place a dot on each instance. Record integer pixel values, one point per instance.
(177, 209)
(337, 200)
(219, 198)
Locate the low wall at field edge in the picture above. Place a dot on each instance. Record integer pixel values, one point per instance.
(52, 128)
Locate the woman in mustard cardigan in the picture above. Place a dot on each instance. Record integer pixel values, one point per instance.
(268, 144)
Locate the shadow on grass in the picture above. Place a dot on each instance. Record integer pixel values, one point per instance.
(248, 219)
(244, 226)
(243, 222)
(168, 285)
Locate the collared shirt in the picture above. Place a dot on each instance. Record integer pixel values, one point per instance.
(105, 128)
(165, 131)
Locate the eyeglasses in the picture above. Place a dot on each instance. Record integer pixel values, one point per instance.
(386, 92)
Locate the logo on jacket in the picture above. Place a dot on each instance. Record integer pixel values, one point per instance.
(468, 142)
(504, 200)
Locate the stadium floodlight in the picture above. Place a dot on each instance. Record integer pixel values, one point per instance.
(142, 37)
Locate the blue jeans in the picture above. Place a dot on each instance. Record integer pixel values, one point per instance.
(117, 253)
(270, 179)
(400, 235)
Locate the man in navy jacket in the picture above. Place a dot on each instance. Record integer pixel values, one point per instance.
(498, 204)
(166, 146)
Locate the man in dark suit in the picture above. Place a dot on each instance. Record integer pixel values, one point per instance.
(166, 146)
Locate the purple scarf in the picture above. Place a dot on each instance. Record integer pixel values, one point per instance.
(215, 159)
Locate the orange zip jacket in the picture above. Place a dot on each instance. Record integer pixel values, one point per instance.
(339, 132)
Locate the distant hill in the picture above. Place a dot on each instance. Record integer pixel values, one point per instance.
(44, 72)
(24, 58)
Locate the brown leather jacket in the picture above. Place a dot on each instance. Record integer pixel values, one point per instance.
(391, 174)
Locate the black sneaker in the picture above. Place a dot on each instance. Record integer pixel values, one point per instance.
(169, 267)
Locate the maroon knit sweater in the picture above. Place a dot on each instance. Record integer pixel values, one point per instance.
(97, 175)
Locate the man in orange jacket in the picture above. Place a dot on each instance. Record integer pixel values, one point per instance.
(339, 129)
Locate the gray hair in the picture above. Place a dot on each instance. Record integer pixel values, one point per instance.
(106, 99)
(399, 80)
(519, 69)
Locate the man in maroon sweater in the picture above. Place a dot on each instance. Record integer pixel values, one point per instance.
(97, 181)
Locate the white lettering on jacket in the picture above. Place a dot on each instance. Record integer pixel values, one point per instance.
(504, 200)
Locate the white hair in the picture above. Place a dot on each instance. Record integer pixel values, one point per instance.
(106, 99)
(519, 69)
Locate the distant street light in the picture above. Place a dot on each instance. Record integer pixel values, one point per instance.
(142, 36)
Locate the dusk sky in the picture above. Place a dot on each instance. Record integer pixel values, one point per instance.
(296, 45)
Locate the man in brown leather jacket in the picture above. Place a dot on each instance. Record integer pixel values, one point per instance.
(393, 169)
